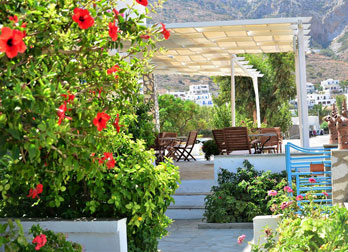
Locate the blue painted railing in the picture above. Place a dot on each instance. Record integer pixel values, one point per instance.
(298, 169)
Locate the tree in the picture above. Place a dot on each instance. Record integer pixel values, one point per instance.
(276, 88)
(344, 85)
(339, 102)
(320, 111)
(177, 115)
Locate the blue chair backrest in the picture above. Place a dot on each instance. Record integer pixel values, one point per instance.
(299, 161)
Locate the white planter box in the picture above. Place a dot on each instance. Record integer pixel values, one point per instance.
(94, 236)
(260, 222)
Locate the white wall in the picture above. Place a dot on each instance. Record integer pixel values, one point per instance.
(313, 122)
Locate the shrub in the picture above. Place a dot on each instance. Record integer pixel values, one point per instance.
(143, 127)
(239, 197)
(13, 239)
(67, 106)
(315, 228)
(210, 148)
(324, 126)
(205, 133)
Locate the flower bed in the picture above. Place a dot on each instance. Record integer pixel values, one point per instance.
(313, 227)
(239, 197)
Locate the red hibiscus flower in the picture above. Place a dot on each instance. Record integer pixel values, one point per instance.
(113, 30)
(165, 32)
(69, 96)
(111, 161)
(142, 2)
(100, 91)
(100, 121)
(116, 12)
(116, 125)
(14, 19)
(83, 18)
(61, 113)
(24, 25)
(144, 36)
(34, 193)
(11, 42)
(110, 164)
(40, 241)
(108, 156)
(113, 69)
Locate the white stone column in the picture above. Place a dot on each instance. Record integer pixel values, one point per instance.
(257, 100)
(300, 64)
(233, 93)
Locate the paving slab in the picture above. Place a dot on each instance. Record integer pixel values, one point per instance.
(184, 235)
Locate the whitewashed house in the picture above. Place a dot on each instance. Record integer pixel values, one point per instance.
(200, 94)
(310, 88)
(332, 85)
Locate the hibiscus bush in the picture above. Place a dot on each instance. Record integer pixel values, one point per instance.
(69, 74)
(13, 238)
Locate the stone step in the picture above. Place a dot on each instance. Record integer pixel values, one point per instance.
(195, 186)
(193, 193)
(189, 200)
(188, 213)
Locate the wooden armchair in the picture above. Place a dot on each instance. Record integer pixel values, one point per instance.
(236, 138)
(275, 142)
(219, 137)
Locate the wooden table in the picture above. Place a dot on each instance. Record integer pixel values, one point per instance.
(167, 144)
(258, 145)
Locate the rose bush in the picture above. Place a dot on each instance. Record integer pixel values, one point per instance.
(69, 74)
(313, 227)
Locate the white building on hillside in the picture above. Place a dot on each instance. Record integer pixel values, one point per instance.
(200, 94)
(310, 88)
(332, 85)
(323, 98)
(179, 94)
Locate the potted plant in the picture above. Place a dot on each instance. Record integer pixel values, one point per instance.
(66, 100)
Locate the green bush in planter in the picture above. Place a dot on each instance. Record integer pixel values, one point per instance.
(66, 106)
(316, 228)
(210, 148)
(240, 196)
(14, 239)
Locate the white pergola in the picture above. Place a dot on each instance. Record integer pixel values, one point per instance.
(210, 48)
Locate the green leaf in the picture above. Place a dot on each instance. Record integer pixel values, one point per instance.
(33, 150)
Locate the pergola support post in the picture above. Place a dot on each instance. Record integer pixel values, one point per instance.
(233, 92)
(151, 96)
(257, 100)
(300, 64)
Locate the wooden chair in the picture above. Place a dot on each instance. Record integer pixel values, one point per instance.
(219, 137)
(184, 151)
(168, 144)
(275, 143)
(236, 138)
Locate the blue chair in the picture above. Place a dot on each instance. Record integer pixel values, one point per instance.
(302, 164)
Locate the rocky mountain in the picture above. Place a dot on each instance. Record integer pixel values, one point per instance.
(329, 28)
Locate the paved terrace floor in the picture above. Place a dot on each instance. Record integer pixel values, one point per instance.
(184, 235)
(204, 170)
